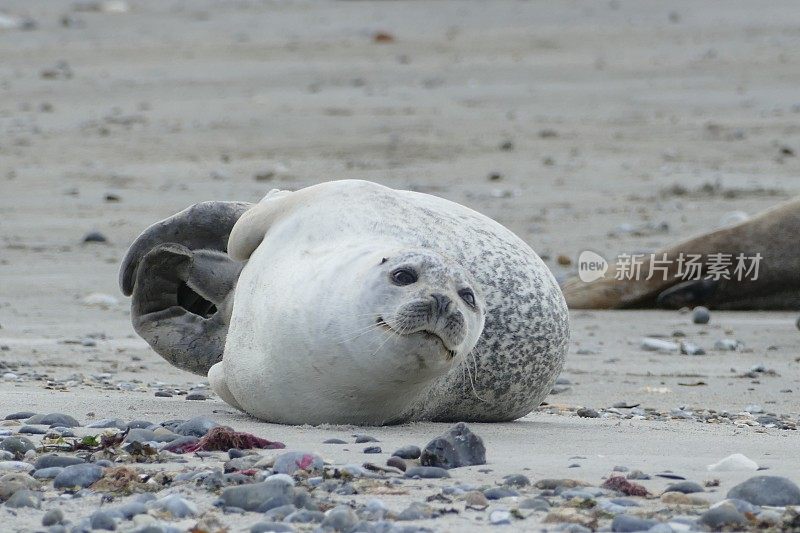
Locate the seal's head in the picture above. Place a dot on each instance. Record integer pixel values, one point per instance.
(426, 309)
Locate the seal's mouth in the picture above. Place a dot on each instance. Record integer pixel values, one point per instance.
(425, 333)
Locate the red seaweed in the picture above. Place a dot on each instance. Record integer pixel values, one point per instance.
(624, 486)
(223, 438)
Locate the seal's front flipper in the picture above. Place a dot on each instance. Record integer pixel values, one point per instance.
(182, 282)
(689, 294)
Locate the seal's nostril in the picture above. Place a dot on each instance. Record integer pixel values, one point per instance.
(442, 303)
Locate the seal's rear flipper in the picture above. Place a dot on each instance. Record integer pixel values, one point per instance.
(182, 283)
(688, 294)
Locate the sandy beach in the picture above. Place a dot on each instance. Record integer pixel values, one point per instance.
(615, 126)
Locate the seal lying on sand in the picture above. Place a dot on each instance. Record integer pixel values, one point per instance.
(357, 304)
(772, 235)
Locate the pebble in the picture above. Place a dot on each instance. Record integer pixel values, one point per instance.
(52, 517)
(408, 452)
(721, 516)
(690, 348)
(15, 466)
(730, 345)
(265, 527)
(774, 491)
(585, 412)
(733, 463)
(17, 445)
(49, 461)
(396, 462)
(426, 472)
(652, 344)
(361, 439)
(94, 236)
(372, 449)
(456, 448)
(334, 441)
(197, 396)
(177, 506)
(195, 427)
(11, 483)
(416, 511)
(685, 487)
(78, 476)
(21, 415)
(290, 462)
(24, 498)
(273, 492)
(476, 499)
(499, 517)
(340, 518)
(53, 420)
(105, 423)
(304, 516)
(535, 504)
(701, 315)
(627, 523)
(516, 480)
(48, 473)
(102, 520)
(498, 493)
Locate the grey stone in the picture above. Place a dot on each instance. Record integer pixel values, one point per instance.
(586, 412)
(498, 493)
(427, 472)
(48, 473)
(416, 511)
(54, 419)
(290, 462)
(456, 448)
(701, 315)
(516, 480)
(396, 462)
(102, 520)
(626, 523)
(721, 516)
(20, 415)
(536, 504)
(277, 514)
(78, 476)
(24, 498)
(17, 445)
(340, 519)
(361, 439)
(252, 497)
(304, 516)
(32, 430)
(105, 423)
(767, 490)
(269, 527)
(52, 517)
(408, 452)
(686, 487)
(334, 441)
(49, 461)
(175, 505)
(373, 449)
(195, 427)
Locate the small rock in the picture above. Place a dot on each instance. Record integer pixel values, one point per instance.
(290, 462)
(102, 520)
(652, 344)
(372, 449)
(408, 452)
(340, 518)
(270, 527)
(275, 490)
(94, 236)
(426, 472)
(416, 511)
(585, 412)
(729, 345)
(627, 523)
(17, 445)
(177, 506)
(49, 461)
(685, 487)
(334, 441)
(99, 299)
(476, 499)
(52, 517)
(196, 427)
(196, 395)
(361, 439)
(48, 473)
(78, 476)
(773, 491)
(498, 493)
(516, 480)
(53, 420)
(499, 517)
(690, 348)
(21, 415)
(396, 462)
(24, 498)
(11, 483)
(701, 315)
(723, 515)
(456, 448)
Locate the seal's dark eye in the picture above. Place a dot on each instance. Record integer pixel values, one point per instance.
(468, 296)
(404, 276)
